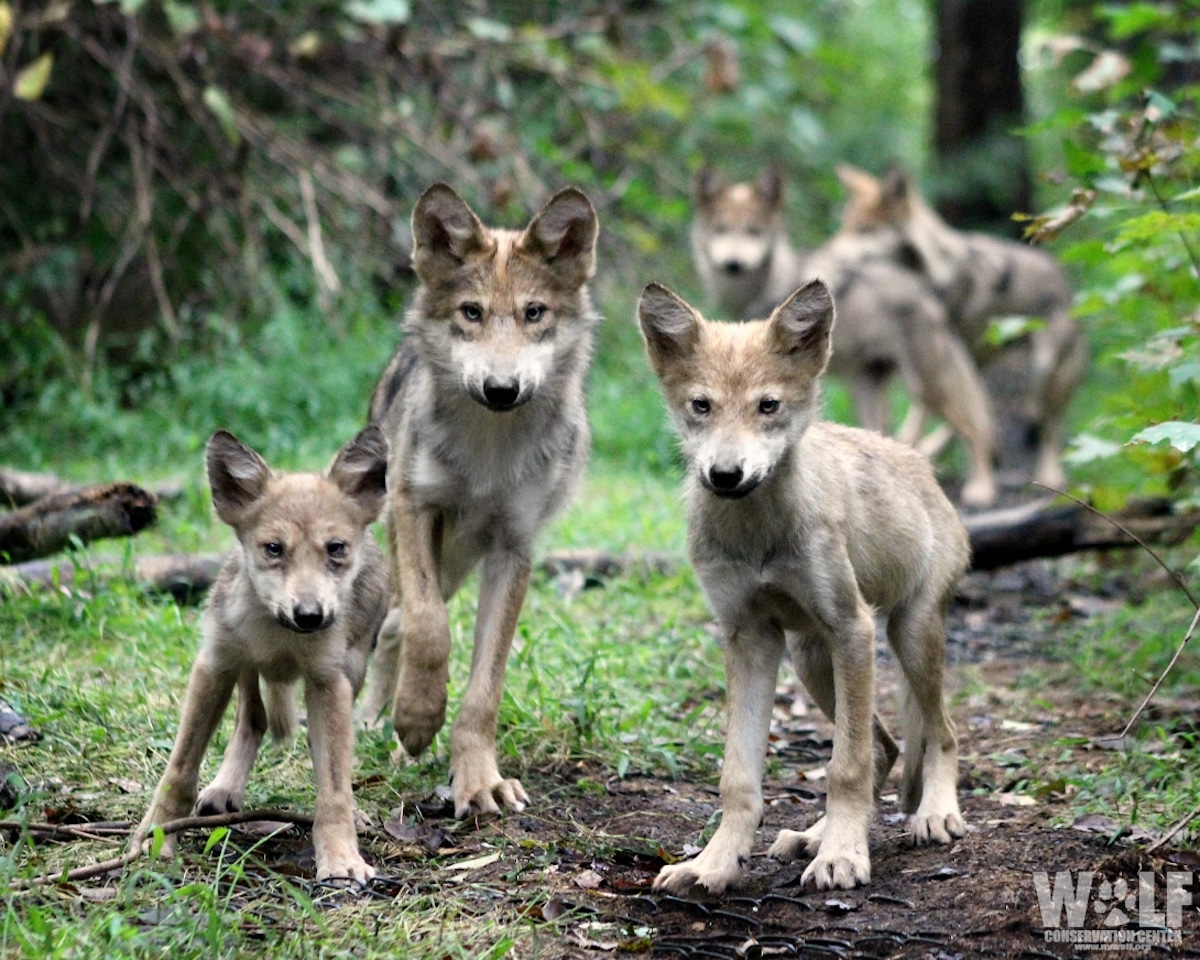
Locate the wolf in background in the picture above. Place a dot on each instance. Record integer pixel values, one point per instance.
(890, 321)
(302, 596)
(484, 407)
(799, 531)
(979, 278)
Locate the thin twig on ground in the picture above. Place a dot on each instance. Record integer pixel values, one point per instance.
(170, 827)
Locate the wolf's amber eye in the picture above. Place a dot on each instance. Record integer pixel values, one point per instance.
(336, 549)
(273, 549)
(472, 311)
(700, 406)
(534, 313)
(768, 405)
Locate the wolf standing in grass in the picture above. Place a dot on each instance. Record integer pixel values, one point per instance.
(484, 407)
(302, 596)
(798, 531)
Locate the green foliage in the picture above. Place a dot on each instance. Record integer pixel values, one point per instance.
(1131, 135)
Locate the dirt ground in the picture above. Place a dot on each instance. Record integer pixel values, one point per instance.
(586, 852)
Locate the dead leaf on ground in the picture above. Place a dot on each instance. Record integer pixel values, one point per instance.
(420, 834)
(587, 880)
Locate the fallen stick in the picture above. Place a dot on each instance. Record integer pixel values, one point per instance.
(1044, 529)
(51, 523)
(171, 826)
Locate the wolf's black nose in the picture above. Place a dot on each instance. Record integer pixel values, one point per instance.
(500, 394)
(725, 480)
(308, 616)
(733, 266)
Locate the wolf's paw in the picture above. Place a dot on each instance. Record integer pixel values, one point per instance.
(978, 491)
(143, 838)
(715, 877)
(217, 798)
(479, 788)
(419, 709)
(346, 864)
(837, 871)
(790, 844)
(937, 827)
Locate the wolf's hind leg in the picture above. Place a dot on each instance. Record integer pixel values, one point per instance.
(928, 791)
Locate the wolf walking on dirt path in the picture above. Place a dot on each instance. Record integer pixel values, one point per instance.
(799, 531)
(484, 407)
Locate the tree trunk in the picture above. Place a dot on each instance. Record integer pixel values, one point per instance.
(983, 172)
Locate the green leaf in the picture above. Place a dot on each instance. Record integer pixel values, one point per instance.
(1185, 373)
(1153, 225)
(1088, 448)
(215, 99)
(380, 12)
(32, 79)
(1183, 436)
(215, 837)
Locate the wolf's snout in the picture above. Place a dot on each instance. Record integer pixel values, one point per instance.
(725, 479)
(501, 394)
(733, 266)
(308, 617)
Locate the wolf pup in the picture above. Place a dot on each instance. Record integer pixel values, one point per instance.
(301, 597)
(890, 320)
(484, 407)
(798, 531)
(980, 277)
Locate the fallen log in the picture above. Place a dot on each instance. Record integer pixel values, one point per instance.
(51, 523)
(998, 538)
(1003, 537)
(19, 487)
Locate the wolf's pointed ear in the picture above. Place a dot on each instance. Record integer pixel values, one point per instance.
(237, 475)
(802, 325)
(563, 233)
(445, 230)
(856, 181)
(360, 471)
(770, 186)
(669, 324)
(707, 185)
(896, 189)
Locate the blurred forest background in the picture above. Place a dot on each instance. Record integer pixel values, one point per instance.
(204, 206)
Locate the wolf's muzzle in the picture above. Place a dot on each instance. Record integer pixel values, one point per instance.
(729, 482)
(501, 394)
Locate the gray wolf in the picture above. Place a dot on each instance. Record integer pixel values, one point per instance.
(484, 407)
(799, 531)
(301, 597)
(980, 277)
(890, 321)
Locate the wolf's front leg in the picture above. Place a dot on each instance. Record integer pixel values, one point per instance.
(752, 659)
(475, 777)
(419, 699)
(228, 787)
(843, 860)
(331, 742)
(207, 696)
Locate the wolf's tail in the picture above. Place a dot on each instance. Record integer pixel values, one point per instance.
(282, 718)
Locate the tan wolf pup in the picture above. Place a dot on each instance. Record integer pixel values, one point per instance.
(799, 531)
(890, 320)
(484, 407)
(980, 277)
(301, 597)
